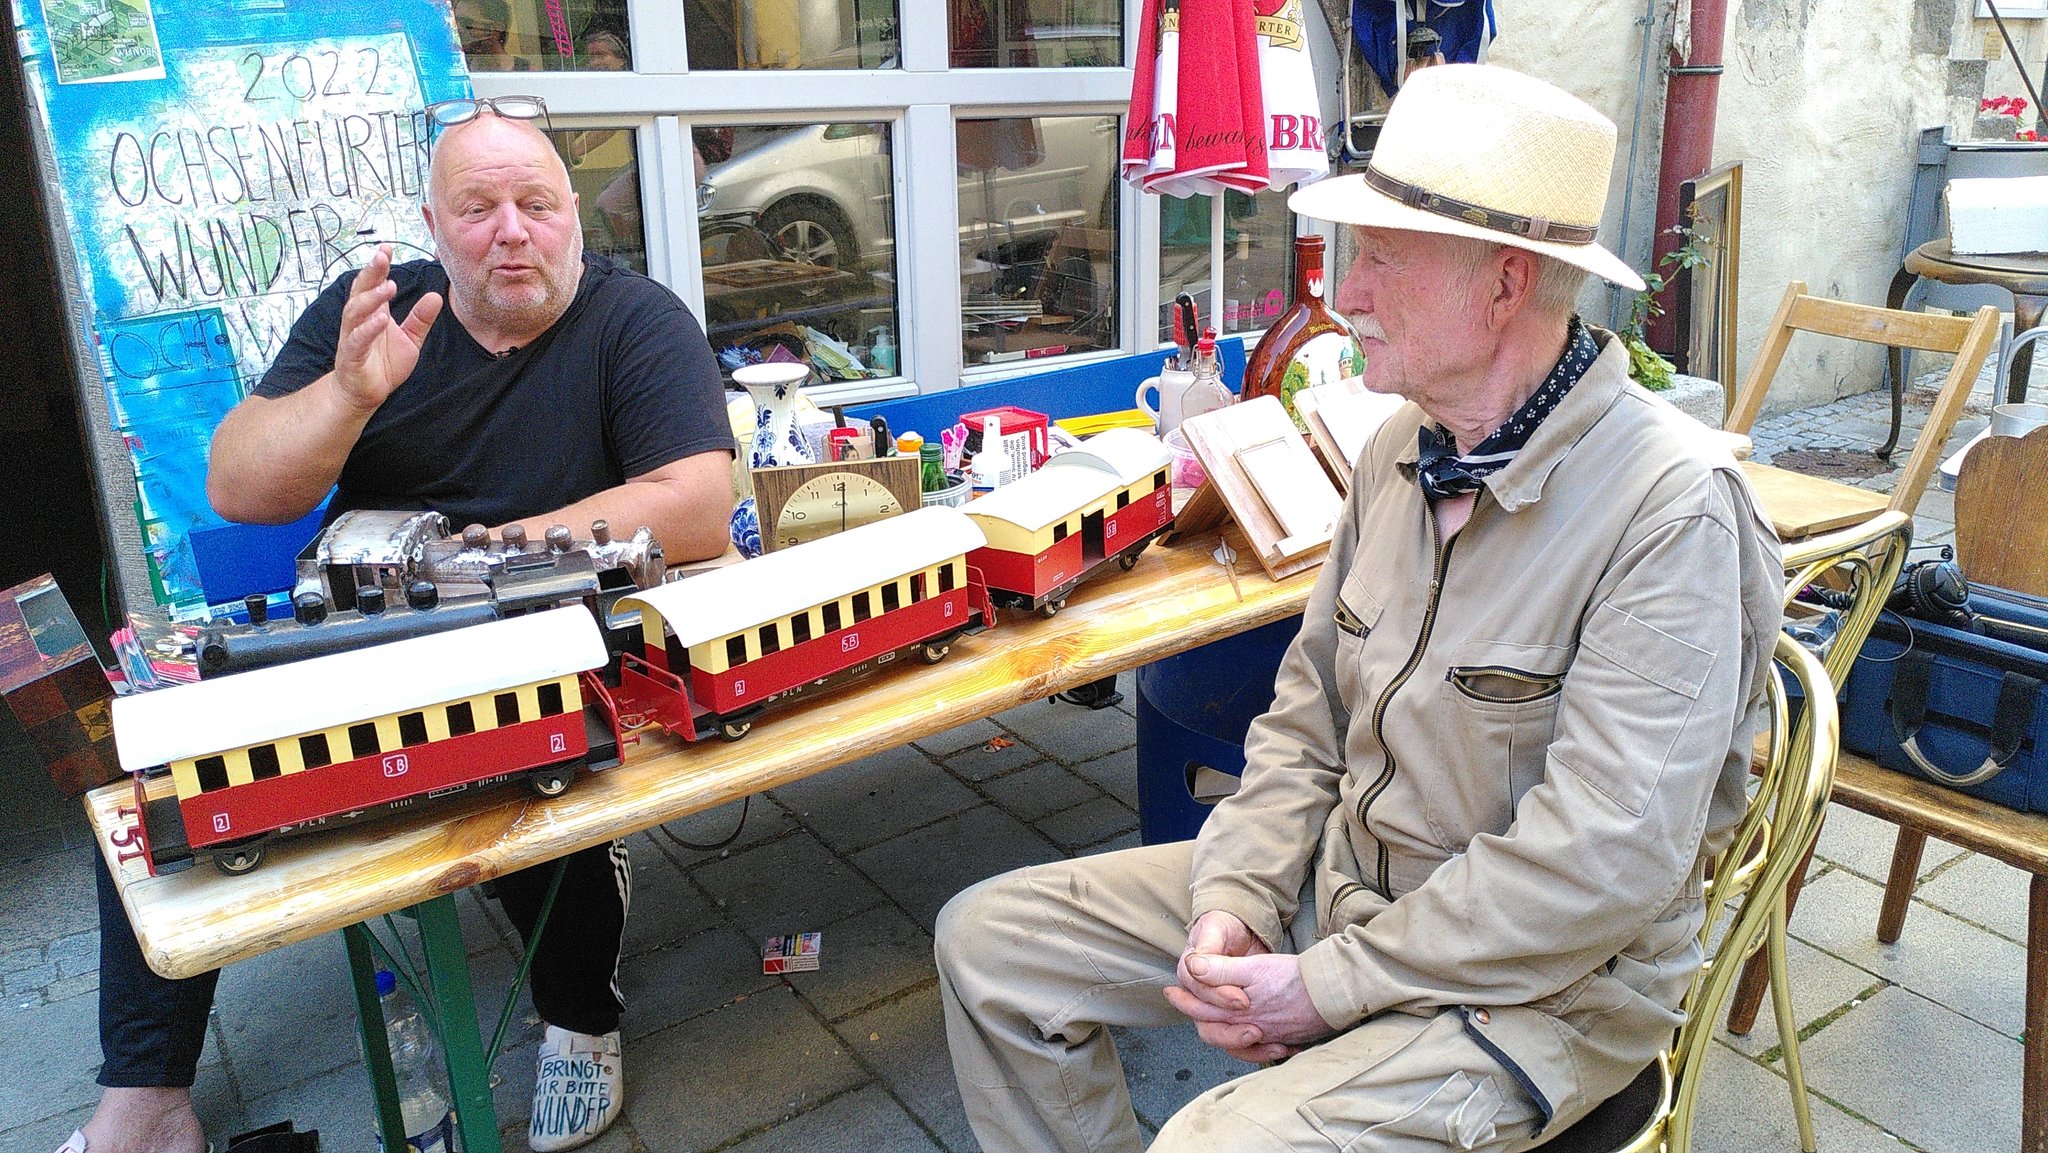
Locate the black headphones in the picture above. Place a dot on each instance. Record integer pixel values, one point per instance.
(1933, 590)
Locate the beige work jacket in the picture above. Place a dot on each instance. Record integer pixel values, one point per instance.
(1501, 759)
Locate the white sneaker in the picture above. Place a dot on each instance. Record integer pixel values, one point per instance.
(578, 1091)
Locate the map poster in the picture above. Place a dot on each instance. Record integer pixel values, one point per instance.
(99, 40)
(278, 143)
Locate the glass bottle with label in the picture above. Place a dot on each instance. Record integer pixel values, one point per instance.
(1309, 344)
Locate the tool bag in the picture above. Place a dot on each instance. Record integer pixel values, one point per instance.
(1958, 703)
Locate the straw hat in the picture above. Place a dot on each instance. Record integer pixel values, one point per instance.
(1480, 151)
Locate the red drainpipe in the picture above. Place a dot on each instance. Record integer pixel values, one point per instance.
(1692, 88)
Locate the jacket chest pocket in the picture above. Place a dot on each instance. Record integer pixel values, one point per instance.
(1355, 614)
(1496, 716)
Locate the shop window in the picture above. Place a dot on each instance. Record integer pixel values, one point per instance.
(543, 35)
(1035, 33)
(729, 35)
(811, 272)
(1258, 259)
(1038, 240)
(604, 172)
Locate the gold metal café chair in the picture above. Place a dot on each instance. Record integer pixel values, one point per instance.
(1654, 1114)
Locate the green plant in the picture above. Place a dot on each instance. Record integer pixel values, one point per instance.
(1645, 365)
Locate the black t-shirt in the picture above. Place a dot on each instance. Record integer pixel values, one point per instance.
(622, 384)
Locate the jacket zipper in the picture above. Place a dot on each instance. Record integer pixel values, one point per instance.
(1546, 686)
(1379, 709)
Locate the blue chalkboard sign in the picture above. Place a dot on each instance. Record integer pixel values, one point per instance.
(217, 163)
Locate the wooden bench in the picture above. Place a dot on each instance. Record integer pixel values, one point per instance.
(1921, 809)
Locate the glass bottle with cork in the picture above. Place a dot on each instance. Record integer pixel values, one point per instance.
(1308, 344)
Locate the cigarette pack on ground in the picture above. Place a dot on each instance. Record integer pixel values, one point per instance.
(792, 953)
(1997, 215)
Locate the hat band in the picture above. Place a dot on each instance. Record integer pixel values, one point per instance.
(1527, 227)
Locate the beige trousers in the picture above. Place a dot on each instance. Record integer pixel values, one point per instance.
(1034, 964)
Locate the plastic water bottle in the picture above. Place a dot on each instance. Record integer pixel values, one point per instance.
(416, 1068)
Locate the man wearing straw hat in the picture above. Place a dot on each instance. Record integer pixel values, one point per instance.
(1454, 905)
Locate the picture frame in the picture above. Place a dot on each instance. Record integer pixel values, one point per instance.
(1706, 296)
(2015, 9)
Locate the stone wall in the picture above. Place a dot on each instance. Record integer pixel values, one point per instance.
(1822, 101)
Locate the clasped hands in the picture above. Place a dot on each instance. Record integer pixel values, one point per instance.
(1244, 999)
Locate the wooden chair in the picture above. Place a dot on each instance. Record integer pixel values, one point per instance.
(1655, 1113)
(2002, 513)
(1970, 341)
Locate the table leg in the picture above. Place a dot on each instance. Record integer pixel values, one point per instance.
(2034, 1060)
(1898, 887)
(362, 972)
(1895, 361)
(462, 1043)
(2026, 314)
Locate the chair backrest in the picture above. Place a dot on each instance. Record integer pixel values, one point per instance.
(1783, 818)
(2002, 513)
(1847, 573)
(1968, 340)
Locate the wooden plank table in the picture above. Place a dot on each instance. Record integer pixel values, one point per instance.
(1175, 599)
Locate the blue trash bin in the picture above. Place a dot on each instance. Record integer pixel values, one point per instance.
(1193, 712)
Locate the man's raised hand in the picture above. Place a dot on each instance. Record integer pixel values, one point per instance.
(377, 353)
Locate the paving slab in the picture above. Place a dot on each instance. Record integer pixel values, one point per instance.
(1089, 824)
(924, 868)
(1863, 844)
(44, 1135)
(1973, 972)
(673, 984)
(287, 1016)
(904, 1042)
(868, 958)
(1982, 891)
(1115, 774)
(786, 886)
(998, 753)
(863, 1121)
(666, 906)
(47, 898)
(875, 798)
(1821, 984)
(1071, 733)
(961, 737)
(1167, 1068)
(1745, 1108)
(1039, 790)
(54, 1050)
(764, 821)
(336, 1103)
(735, 1071)
(1940, 1081)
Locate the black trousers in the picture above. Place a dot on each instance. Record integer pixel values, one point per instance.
(152, 1028)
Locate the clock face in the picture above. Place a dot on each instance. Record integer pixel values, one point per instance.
(831, 503)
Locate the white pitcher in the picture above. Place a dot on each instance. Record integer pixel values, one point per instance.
(1172, 386)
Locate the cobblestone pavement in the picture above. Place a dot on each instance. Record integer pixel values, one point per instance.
(1911, 1046)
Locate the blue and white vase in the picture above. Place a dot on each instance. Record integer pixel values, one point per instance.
(773, 386)
(746, 528)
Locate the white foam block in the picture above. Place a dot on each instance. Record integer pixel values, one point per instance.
(1993, 215)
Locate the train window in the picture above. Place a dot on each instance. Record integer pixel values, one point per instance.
(461, 719)
(1123, 498)
(800, 628)
(263, 763)
(832, 617)
(892, 597)
(508, 708)
(213, 773)
(1059, 532)
(313, 751)
(769, 641)
(362, 740)
(412, 729)
(550, 695)
(1159, 479)
(860, 607)
(916, 587)
(945, 578)
(735, 651)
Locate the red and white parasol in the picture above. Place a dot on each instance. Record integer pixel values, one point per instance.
(1223, 98)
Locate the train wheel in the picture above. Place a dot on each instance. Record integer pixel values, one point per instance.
(238, 860)
(933, 654)
(1128, 561)
(552, 781)
(1051, 609)
(734, 730)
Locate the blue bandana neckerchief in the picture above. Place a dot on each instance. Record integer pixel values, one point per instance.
(1442, 472)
